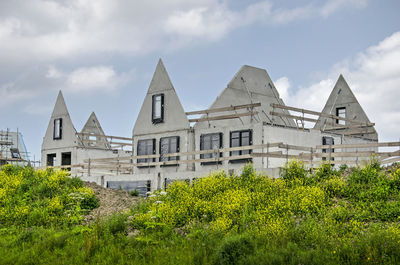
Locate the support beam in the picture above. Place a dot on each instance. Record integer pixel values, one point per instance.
(223, 109)
(224, 117)
(321, 114)
(104, 136)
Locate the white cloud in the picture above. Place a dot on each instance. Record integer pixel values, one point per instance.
(373, 76)
(100, 77)
(48, 29)
(333, 5)
(37, 33)
(283, 85)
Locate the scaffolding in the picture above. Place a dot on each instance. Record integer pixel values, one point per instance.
(12, 148)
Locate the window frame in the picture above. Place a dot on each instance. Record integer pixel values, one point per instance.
(153, 151)
(241, 152)
(338, 113)
(211, 155)
(59, 136)
(157, 119)
(170, 158)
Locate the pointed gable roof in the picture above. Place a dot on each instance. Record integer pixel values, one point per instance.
(342, 96)
(160, 80)
(92, 126)
(249, 85)
(60, 108)
(174, 115)
(68, 138)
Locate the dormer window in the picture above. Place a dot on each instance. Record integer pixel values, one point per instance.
(341, 112)
(57, 132)
(157, 108)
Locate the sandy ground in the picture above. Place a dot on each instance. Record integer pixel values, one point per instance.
(111, 201)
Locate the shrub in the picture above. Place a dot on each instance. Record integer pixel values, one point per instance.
(233, 249)
(295, 170)
(135, 193)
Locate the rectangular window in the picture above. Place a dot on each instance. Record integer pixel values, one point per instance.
(157, 108)
(66, 160)
(146, 147)
(57, 133)
(51, 160)
(341, 112)
(209, 142)
(169, 145)
(328, 141)
(240, 138)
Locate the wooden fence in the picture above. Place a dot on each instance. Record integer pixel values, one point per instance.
(351, 154)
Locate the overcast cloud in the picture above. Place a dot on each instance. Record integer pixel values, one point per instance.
(373, 76)
(37, 35)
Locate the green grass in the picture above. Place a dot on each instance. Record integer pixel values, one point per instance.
(322, 217)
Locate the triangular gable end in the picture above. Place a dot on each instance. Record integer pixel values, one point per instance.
(342, 97)
(174, 117)
(249, 85)
(68, 132)
(92, 126)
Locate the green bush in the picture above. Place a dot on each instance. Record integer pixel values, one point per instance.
(135, 193)
(233, 249)
(31, 197)
(303, 218)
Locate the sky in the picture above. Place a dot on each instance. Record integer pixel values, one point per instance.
(102, 55)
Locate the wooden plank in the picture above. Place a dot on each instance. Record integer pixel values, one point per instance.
(106, 136)
(390, 160)
(292, 116)
(345, 154)
(65, 166)
(360, 131)
(343, 127)
(222, 150)
(88, 142)
(178, 162)
(260, 146)
(230, 108)
(224, 117)
(296, 147)
(366, 145)
(318, 114)
(14, 159)
(355, 154)
(336, 162)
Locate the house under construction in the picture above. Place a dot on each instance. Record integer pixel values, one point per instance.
(12, 148)
(247, 122)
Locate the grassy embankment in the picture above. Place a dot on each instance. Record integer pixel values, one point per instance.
(302, 218)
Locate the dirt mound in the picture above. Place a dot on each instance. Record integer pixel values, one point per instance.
(111, 201)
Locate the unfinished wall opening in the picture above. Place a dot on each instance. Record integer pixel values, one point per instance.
(51, 160)
(66, 159)
(326, 140)
(341, 112)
